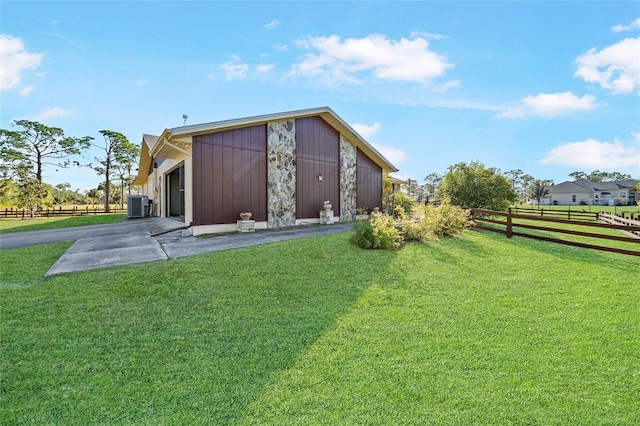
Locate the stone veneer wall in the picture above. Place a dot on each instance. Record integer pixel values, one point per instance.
(348, 155)
(281, 174)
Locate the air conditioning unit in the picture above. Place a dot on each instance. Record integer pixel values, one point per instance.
(137, 206)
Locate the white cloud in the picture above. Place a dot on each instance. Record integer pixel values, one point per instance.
(264, 68)
(593, 154)
(373, 57)
(25, 91)
(234, 70)
(550, 105)
(271, 25)
(56, 112)
(616, 67)
(281, 47)
(366, 131)
(395, 156)
(428, 36)
(448, 85)
(14, 59)
(635, 25)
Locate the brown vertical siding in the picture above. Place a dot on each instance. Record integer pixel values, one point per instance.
(369, 183)
(317, 153)
(230, 175)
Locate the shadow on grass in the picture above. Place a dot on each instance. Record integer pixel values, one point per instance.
(189, 341)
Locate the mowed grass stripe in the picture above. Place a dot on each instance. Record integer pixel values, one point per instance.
(476, 329)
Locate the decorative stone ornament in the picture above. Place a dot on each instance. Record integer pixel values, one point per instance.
(245, 215)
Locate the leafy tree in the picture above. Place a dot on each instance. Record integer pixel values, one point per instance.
(93, 194)
(24, 153)
(412, 188)
(126, 158)
(539, 190)
(431, 183)
(578, 175)
(598, 176)
(114, 145)
(514, 176)
(32, 193)
(62, 193)
(37, 145)
(475, 186)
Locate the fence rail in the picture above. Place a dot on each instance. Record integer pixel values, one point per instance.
(617, 220)
(59, 211)
(575, 214)
(481, 216)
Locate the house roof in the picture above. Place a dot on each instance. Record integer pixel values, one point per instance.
(171, 142)
(586, 185)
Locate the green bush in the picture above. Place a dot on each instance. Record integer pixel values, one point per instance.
(386, 233)
(379, 232)
(438, 222)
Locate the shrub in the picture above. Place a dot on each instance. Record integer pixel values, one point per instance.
(379, 232)
(386, 233)
(438, 222)
(446, 219)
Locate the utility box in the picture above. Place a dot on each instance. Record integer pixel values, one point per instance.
(137, 206)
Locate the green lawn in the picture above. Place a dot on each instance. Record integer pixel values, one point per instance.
(471, 330)
(38, 224)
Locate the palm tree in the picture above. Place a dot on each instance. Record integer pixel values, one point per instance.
(538, 190)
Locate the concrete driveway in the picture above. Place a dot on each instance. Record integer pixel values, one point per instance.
(135, 241)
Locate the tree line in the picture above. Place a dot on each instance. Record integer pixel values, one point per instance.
(26, 151)
(476, 186)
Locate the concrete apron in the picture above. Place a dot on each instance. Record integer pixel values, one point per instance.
(125, 245)
(100, 252)
(139, 247)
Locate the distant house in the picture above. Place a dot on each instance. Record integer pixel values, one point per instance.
(280, 167)
(396, 183)
(587, 192)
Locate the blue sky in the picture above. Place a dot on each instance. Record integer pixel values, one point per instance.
(545, 87)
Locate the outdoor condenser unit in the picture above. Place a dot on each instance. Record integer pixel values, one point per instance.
(137, 206)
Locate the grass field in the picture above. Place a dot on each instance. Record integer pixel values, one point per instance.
(16, 225)
(471, 330)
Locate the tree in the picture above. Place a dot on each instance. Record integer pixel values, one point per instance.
(126, 158)
(475, 186)
(24, 154)
(62, 193)
(114, 144)
(515, 177)
(37, 145)
(578, 175)
(93, 194)
(431, 183)
(598, 176)
(539, 190)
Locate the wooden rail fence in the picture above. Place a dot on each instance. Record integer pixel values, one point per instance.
(617, 220)
(59, 211)
(575, 214)
(482, 217)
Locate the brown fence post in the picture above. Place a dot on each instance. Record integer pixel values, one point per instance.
(509, 225)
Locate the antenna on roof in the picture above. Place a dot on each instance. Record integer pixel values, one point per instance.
(185, 117)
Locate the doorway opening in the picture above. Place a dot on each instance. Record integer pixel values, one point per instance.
(175, 193)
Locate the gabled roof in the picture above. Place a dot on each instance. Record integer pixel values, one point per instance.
(586, 185)
(171, 142)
